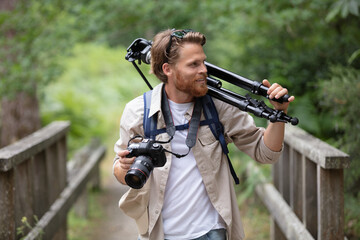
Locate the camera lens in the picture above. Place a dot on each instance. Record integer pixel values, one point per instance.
(139, 172)
(134, 180)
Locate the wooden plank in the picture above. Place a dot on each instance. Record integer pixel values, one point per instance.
(286, 181)
(62, 156)
(95, 181)
(297, 184)
(52, 174)
(310, 208)
(23, 149)
(330, 204)
(275, 172)
(316, 150)
(303, 194)
(7, 204)
(24, 195)
(40, 185)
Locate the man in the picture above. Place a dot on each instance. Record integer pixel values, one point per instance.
(191, 197)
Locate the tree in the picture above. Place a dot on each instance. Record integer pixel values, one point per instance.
(32, 43)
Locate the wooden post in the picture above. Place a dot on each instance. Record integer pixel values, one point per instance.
(330, 204)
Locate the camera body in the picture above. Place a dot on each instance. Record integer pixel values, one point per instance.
(149, 154)
(149, 148)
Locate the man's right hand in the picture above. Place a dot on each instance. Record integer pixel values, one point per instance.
(122, 165)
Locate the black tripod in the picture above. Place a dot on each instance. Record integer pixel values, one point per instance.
(140, 50)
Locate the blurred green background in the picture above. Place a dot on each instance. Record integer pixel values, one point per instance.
(69, 55)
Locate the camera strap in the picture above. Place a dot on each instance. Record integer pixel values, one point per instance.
(192, 126)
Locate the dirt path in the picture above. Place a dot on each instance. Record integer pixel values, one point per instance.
(115, 225)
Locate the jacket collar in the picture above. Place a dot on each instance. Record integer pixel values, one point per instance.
(156, 96)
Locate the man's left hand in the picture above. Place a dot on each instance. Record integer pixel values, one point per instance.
(277, 91)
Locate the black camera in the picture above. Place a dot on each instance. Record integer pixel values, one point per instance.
(149, 154)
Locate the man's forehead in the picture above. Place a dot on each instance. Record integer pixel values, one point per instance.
(191, 50)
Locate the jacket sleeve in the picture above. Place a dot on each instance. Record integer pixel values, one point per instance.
(240, 128)
(130, 123)
(134, 201)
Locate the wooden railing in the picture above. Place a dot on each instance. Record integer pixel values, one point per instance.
(306, 200)
(34, 182)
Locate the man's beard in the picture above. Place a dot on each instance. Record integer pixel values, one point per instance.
(194, 88)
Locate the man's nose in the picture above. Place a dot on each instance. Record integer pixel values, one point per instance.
(203, 68)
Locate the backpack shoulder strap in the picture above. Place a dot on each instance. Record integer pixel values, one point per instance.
(212, 117)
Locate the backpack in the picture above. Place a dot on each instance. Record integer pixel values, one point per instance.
(211, 119)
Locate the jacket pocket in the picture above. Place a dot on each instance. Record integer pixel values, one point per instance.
(210, 147)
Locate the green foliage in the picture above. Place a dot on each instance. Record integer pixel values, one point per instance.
(26, 227)
(352, 213)
(341, 95)
(34, 36)
(343, 8)
(287, 40)
(96, 84)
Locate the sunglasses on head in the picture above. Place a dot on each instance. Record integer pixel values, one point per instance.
(178, 34)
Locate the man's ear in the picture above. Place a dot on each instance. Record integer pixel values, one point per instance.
(166, 69)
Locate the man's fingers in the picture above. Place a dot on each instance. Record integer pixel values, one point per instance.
(125, 162)
(292, 98)
(266, 83)
(123, 153)
(279, 92)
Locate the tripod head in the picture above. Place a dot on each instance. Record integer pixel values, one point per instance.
(140, 49)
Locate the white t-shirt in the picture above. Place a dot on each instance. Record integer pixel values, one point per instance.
(187, 212)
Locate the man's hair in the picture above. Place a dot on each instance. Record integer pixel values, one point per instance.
(159, 47)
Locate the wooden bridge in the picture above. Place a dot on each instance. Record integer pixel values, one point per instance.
(305, 200)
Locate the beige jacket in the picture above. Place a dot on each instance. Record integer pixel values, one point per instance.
(144, 205)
